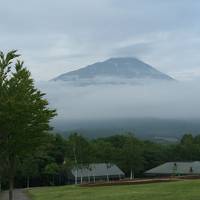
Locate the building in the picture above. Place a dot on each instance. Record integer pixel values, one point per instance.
(176, 168)
(96, 172)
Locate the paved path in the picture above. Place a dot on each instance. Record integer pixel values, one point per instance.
(18, 195)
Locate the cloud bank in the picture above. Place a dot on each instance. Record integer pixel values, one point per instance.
(177, 100)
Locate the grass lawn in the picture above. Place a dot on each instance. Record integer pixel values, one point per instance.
(181, 190)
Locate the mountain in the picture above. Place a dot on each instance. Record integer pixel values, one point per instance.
(114, 71)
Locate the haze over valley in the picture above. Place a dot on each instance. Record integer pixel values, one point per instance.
(123, 95)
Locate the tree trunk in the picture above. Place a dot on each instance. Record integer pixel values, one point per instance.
(131, 176)
(60, 179)
(0, 183)
(28, 182)
(53, 180)
(76, 177)
(89, 178)
(11, 176)
(107, 178)
(81, 179)
(94, 178)
(11, 186)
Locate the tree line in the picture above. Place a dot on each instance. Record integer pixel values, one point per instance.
(51, 162)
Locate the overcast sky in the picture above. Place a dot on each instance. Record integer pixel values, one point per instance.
(58, 36)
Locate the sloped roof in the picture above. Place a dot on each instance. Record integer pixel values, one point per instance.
(176, 167)
(97, 169)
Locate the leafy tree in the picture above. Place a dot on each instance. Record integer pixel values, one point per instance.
(55, 153)
(154, 154)
(65, 168)
(188, 149)
(131, 156)
(51, 170)
(29, 168)
(104, 151)
(24, 113)
(58, 148)
(79, 151)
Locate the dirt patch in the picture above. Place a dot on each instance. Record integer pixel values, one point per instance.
(130, 182)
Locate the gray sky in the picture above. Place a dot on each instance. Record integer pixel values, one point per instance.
(58, 36)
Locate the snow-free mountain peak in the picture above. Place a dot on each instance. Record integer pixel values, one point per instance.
(114, 71)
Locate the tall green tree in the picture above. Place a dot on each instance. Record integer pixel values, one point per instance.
(24, 113)
(79, 151)
(132, 155)
(51, 170)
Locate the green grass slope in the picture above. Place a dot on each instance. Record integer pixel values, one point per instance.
(181, 190)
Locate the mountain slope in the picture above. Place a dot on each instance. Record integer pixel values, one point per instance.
(114, 70)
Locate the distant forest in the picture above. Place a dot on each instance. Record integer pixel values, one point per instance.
(50, 164)
(145, 128)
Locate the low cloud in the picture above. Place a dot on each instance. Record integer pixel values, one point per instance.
(177, 100)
